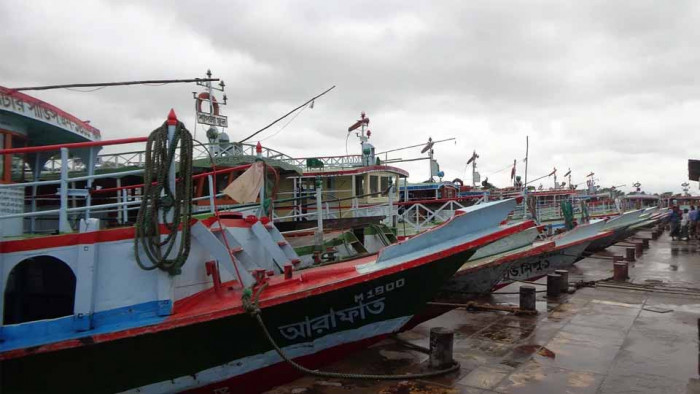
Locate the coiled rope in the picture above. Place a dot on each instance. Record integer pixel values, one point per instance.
(250, 305)
(175, 209)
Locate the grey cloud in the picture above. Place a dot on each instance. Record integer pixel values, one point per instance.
(600, 86)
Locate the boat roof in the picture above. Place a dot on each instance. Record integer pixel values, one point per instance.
(641, 197)
(333, 172)
(41, 122)
(236, 160)
(429, 186)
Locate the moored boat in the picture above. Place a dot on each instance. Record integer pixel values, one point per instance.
(616, 229)
(86, 308)
(482, 272)
(566, 249)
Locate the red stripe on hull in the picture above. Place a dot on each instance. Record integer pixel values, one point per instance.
(266, 378)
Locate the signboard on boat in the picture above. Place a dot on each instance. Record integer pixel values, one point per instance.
(21, 104)
(11, 203)
(212, 120)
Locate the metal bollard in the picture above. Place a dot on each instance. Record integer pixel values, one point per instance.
(655, 235)
(288, 271)
(441, 340)
(553, 285)
(620, 272)
(629, 254)
(638, 249)
(645, 243)
(528, 296)
(564, 281)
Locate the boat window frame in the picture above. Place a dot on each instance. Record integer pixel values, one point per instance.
(374, 185)
(6, 167)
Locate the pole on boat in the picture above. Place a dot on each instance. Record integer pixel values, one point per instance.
(258, 154)
(172, 122)
(527, 147)
(36, 171)
(63, 224)
(165, 284)
(319, 217)
(392, 218)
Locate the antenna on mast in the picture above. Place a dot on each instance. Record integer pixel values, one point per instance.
(434, 168)
(568, 174)
(211, 116)
(367, 148)
(476, 177)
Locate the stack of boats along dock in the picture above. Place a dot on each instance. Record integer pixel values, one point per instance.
(170, 303)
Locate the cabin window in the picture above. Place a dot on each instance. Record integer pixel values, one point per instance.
(222, 180)
(373, 184)
(18, 160)
(39, 288)
(384, 183)
(359, 185)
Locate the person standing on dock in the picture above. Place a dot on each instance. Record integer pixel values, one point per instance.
(675, 220)
(694, 224)
(685, 221)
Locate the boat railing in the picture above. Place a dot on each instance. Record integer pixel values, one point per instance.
(76, 202)
(137, 158)
(127, 197)
(420, 217)
(330, 161)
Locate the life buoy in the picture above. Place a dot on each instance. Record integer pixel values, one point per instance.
(458, 182)
(203, 97)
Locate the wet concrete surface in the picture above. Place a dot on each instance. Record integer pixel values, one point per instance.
(640, 336)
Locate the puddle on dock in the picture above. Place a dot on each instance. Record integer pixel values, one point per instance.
(534, 349)
(597, 340)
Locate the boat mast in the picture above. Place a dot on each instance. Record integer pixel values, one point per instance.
(474, 156)
(213, 118)
(527, 147)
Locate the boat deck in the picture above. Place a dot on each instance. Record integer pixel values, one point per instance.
(635, 337)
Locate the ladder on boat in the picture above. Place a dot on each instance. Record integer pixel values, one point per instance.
(260, 247)
(351, 241)
(384, 233)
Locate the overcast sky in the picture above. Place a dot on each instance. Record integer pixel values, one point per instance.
(602, 86)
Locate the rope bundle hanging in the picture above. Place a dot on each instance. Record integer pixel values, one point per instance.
(159, 206)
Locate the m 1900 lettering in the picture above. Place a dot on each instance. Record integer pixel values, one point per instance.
(380, 290)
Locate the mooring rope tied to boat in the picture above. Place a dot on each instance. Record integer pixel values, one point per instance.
(250, 300)
(158, 198)
(653, 289)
